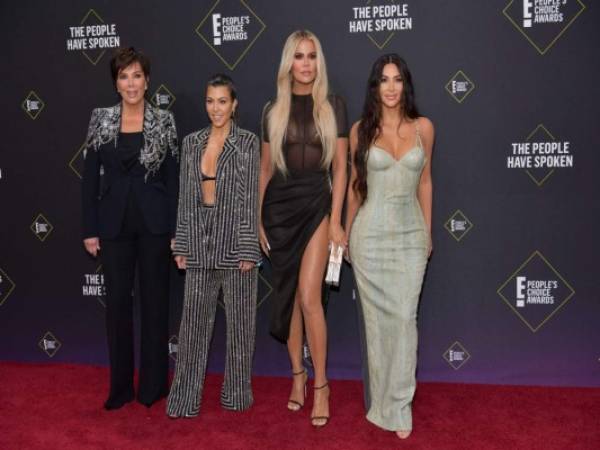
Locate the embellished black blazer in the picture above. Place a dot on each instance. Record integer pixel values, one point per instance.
(153, 179)
(234, 236)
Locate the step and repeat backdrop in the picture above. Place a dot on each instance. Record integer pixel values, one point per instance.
(512, 290)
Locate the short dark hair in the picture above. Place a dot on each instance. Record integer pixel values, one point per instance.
(220, 79)
(123, 57)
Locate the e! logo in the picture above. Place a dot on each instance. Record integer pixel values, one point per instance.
(216, 22)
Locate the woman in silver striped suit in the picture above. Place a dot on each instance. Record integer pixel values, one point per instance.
(217, 243)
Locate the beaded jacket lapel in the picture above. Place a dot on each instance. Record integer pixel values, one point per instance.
(160, 134)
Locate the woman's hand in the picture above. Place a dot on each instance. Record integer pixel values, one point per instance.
(347, 251)
(245, 266)
(173, 244)
(262, 238)
(337, 236)
(92, 245)
(181, 262)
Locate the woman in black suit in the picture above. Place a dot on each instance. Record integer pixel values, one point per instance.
(130, 184)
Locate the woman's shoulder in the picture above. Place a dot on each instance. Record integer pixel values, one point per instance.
(248, 140)
(163, 115)
(267, 107)
(195, 137)
(425, 125)
(336, 100)
(104, 111)
(246, 134)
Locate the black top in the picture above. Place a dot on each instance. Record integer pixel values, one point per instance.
(302, 149)
(207, 177)
(129, 146)
(145, 164)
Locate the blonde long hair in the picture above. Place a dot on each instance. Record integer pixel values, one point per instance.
(279, 114)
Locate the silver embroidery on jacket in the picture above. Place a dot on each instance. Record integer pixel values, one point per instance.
(160, 134)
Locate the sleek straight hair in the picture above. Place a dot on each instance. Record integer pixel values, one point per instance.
(279, 114)
(370, 120)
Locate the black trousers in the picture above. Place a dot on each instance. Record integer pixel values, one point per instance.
(136, 246)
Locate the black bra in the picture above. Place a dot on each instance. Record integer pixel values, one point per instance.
(207, 178)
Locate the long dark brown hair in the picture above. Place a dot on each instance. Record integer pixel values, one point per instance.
(370, 121)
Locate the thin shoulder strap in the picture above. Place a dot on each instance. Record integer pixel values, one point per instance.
(418, 140)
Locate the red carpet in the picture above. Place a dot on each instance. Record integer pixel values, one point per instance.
(59, 407)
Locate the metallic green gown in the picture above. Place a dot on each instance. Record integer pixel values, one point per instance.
(389, 246)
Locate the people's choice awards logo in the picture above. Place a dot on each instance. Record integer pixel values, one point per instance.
(535, 291)
(458, 225)
(33, 105)
(230, 28)
(92, 37)
(540, 155)
(49, 344)
(459, 86)
(6, 286)
(41, 227)
(380, 20)
(456, 355)
(543, 22)
(163, 97)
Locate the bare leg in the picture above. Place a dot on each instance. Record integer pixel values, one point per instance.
(294, 345)
(308, 295)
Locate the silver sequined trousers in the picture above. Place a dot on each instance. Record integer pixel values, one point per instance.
(199, 309)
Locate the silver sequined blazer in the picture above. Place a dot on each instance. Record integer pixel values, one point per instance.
(233, 236)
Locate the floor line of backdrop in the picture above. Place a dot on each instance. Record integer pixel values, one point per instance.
(510, 294)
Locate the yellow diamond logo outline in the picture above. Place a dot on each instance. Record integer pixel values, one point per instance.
(453, 78)
(4, 276)
(261, 300)
(270, 290)
(230, 66)
(555, 310)
(100, 298)
(449, 228)
(539, 183)
(157, 94)
(25, 105)
(92, 12)
(36, 231)
(49, 344)
(387, 40)
(531, 41)
(452, 348)
(74, 160)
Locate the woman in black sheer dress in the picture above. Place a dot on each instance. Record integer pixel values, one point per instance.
(304, 134)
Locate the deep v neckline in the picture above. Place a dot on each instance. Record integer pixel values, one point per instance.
(392, 156)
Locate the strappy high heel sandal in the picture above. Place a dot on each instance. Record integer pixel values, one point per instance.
(294, 405)
(319, 424)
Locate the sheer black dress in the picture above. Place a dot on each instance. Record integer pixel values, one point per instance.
(295, 204)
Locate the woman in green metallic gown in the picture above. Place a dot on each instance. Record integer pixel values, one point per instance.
(389, 214)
